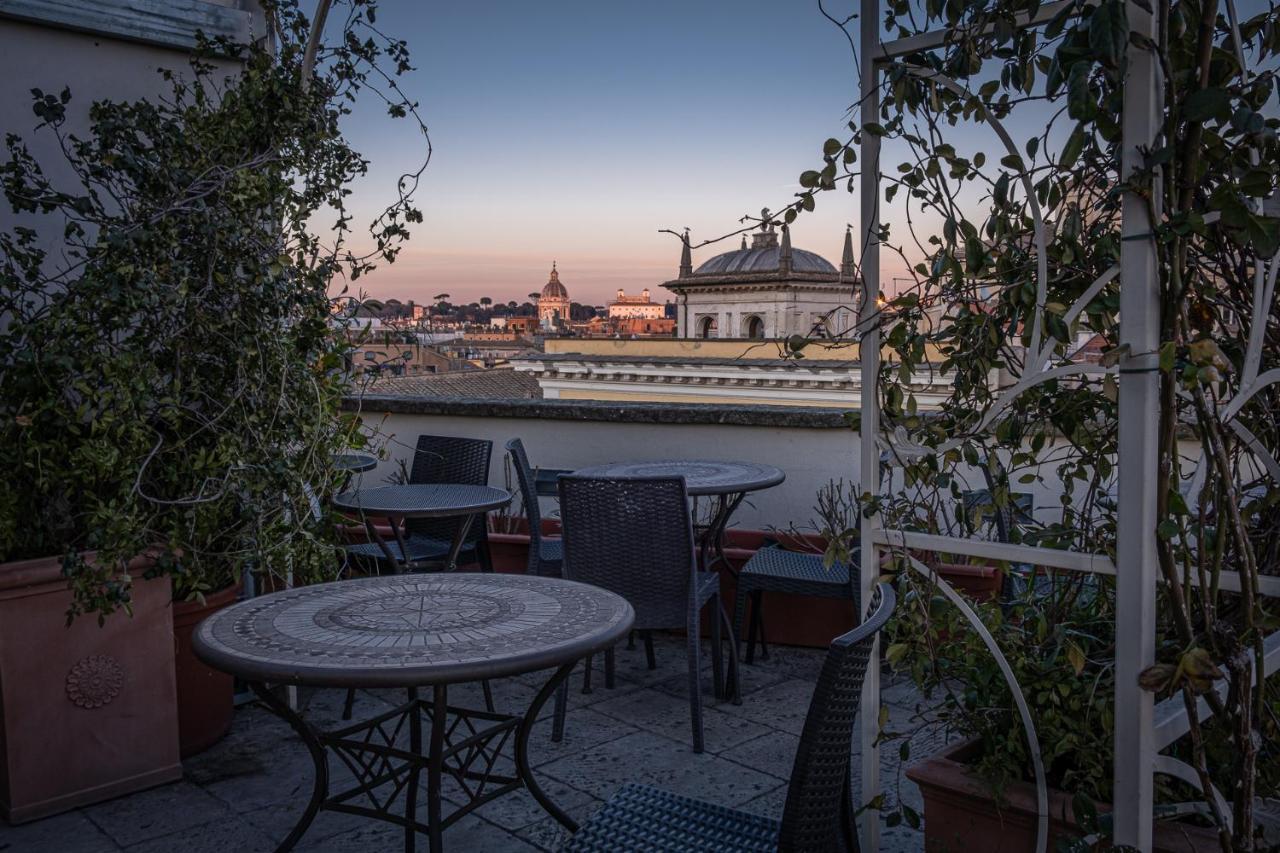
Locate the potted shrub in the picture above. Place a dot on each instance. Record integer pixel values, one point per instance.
(1057, 633)
(171, 377)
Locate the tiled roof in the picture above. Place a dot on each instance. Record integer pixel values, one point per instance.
(497, 384)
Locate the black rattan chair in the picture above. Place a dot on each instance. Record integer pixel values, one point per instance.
(771, 569)
(634, 536)
(546, 556)
(441, 459)
(818, 815)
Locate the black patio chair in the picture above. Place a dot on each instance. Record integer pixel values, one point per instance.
(772, 569)
(546, 556)
(818, 815)
(441, 459)
(634, 537)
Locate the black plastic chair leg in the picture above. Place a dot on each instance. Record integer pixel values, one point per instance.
(348, 704)
(717, 653)
(649, 656)
(739, 611)
(586, 676)
(695, 687)
(488, 695)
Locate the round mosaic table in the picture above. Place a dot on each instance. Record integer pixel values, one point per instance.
(415, 631)
(423, 500)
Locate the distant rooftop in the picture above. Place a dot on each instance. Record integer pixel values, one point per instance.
(497, 384)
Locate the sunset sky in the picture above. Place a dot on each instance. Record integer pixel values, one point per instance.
(573, 131)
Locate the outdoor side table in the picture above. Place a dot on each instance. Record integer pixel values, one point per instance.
(426, 500)
(727, 482)
(415, 631)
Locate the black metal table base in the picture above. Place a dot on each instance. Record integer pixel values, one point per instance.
(462, 745)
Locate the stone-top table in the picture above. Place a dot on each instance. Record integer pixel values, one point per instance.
(411, 631)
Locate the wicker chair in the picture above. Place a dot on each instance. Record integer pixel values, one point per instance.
(817, 817)
(441, 459)
(634, 537)
(546, 556)
(772, 569)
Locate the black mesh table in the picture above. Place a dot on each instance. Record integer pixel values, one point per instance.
(727, 482)
(434, 500)
(415, 631)
(354, 461)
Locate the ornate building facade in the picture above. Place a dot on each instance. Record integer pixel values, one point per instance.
(553, 304)
(640, 307)
(766, 290)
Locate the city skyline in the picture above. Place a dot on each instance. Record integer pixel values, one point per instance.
(534, 161)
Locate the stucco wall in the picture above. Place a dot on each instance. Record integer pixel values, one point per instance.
(95, 65)
(810, 457)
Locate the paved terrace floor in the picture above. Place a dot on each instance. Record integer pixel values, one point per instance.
(246, 793)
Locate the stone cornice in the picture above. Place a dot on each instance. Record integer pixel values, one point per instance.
(164, 23)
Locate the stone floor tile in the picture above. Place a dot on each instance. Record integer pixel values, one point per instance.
(156, 812)
(773, 753)
(65, 833)
(780, 706)
(669, 715)
(654, 760)
(220, 836)
(549, 834)
(584, 730)
(277, 820)
(519, 809)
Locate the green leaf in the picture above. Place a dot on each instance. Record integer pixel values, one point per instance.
(1071, 151)
(1080, 103)
(1108, 29)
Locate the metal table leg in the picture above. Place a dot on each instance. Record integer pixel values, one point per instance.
(320, 788)
(461, 744)
(522, 748)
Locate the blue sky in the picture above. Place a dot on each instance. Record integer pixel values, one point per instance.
(573, 131)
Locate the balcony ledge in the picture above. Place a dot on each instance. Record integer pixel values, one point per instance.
(796, 417)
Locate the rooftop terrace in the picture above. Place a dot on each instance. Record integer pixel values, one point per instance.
(246, 793)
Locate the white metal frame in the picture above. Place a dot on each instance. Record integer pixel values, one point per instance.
(1142, 729)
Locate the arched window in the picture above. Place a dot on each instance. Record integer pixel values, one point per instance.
(754, 327)
(707, 327)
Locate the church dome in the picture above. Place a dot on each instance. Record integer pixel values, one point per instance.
(764, 255)
(553, 289)
(763, 260)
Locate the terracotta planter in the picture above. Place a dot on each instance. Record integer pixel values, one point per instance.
(87, 713)
(206, 697)
(509, 551)
(961, 814)
(981, 583)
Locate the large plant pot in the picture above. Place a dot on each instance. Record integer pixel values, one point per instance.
(509, 550)
(206, 696)
(961, 814)
(87, 712)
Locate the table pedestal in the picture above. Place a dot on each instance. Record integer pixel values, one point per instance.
(462, 744)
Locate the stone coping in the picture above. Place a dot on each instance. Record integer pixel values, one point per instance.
(798, 417)
(812, 366)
